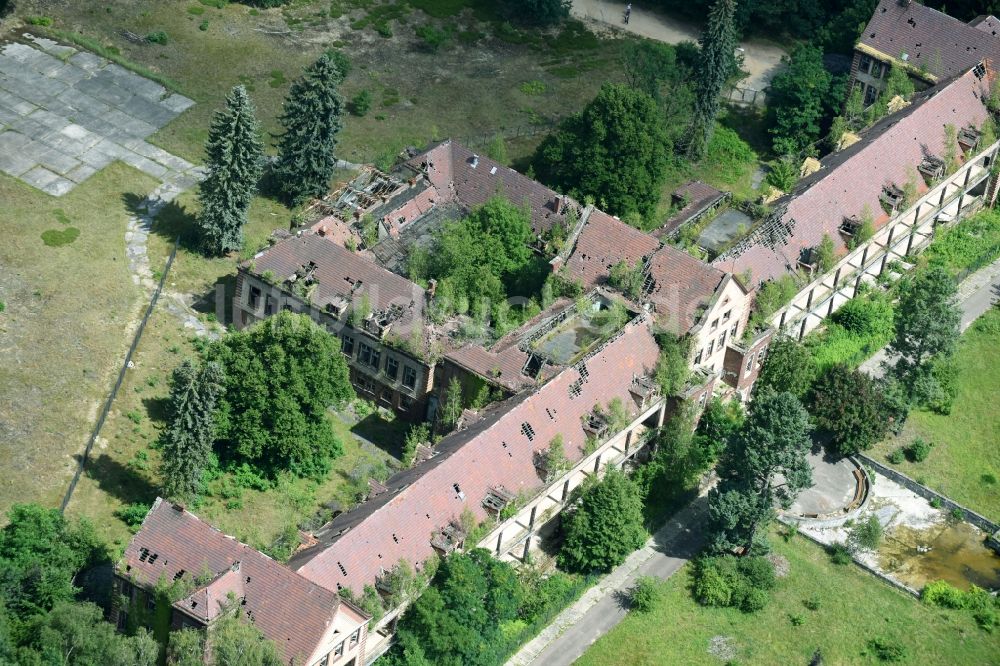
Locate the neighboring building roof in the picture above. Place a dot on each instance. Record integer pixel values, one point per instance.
(986, 23)
(682, 287)
(699, 197)
(356, 546)
(472, 179)
(289, 609)
(603, 242)
(853, 178)
(932, 41)
(341, 273)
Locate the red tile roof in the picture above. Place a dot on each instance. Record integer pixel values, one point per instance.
(289, 609)
(472, 179)
(853, 178)
(603, 242)
(493, 451)
(682, 286)
(932, 40)
(340, 272)
(699, 196)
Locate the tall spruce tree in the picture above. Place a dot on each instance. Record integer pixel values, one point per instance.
(312, 119)
(715, 65)
(187, 442)
(235, 162)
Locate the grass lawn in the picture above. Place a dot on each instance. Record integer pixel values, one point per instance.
(964, 462)
(854, 608)
(68, 315)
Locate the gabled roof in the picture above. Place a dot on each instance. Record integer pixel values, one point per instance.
(699, 196)
(472, 179)
(341, 273)
(681, 287)
(603, 242)
(933, 41)
(289, 609)
(493, 451)
(849, 180)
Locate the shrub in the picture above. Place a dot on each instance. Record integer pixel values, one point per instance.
(866, 316)
(839, 553)
(812, 603)
(887, 649)
(361, 103)
(157, 37)
(988, 478)
(39, 20)
(783, 174)
(943, 594)
(432, 38)
(133, 514)
(736, 582)
(644, 594)
(935, 502)
(918, 450)
(896, 456)
(866, 535)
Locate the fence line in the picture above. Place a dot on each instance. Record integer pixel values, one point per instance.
(517, 132)
(121, 377)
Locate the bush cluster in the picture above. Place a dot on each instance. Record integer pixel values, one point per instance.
(983, 606)
(734, 582)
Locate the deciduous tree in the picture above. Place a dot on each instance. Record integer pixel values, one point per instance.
(616, 150)
(773, 440)
(235, 160)
(281, 375)
(187, 442)
(605, 527)
(311, 119)
(538, 12)
(788, 366)
(797, 100)
(850, 406)
(927, 321)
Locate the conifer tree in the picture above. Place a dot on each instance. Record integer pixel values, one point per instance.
(235, 162)
(312, 119)
(715, 65)
(187, 442)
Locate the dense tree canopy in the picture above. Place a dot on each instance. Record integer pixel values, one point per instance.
(788, 366)
(927, 321)
(538, 12)
(478, 259)
(235, 161)
(186, 444)
(41, 554)
(774, 439)
(311, 119)
(850, 406)
(605, 527)
(716, 64)
(616, 150)
(280, 377)
(798, 100)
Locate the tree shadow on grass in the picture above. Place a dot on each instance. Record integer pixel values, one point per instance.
(120, 481)
(386, 435)
(157, 408)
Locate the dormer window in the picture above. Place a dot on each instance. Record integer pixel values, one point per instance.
(932, 168)
(808, 258)
(968, 139)
(891, 198)
(850, 225)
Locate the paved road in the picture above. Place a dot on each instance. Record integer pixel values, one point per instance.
(601, 608)
(761, 59)
(976, 295)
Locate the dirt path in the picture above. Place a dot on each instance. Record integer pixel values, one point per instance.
(761, 59)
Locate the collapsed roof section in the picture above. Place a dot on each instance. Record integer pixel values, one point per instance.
(853, 182)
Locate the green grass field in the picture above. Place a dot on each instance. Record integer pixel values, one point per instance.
(853, 609)
(964, 463)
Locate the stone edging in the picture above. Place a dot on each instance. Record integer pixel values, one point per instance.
(971, 516)
(828, 520)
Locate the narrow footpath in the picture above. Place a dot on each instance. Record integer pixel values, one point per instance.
(976, 295)
(603, 606)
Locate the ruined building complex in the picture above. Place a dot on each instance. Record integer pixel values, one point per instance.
(561, 373)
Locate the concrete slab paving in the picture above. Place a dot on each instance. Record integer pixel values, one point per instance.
(65, 114)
